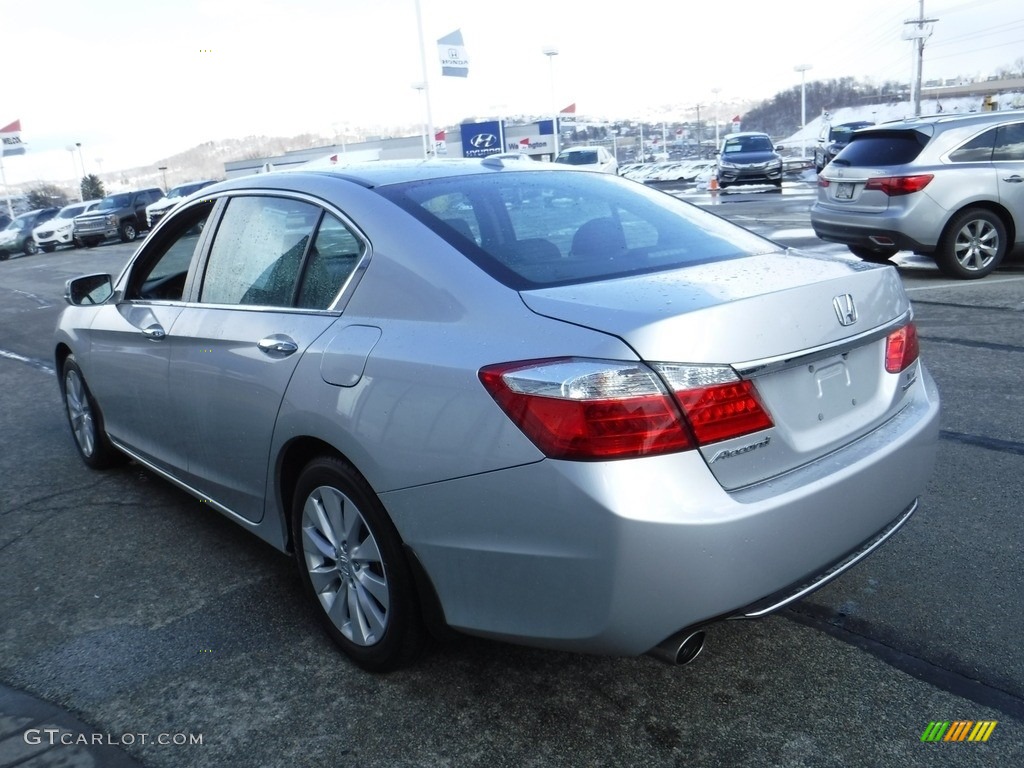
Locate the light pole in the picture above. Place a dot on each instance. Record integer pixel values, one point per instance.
(716, 91)
(422, 88)
(551, 52)
(74, 169)
(163, 170)
(81, 160)
(802, 69)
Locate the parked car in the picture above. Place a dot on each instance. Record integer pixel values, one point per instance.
(122, 215)
(831, 142)
(16, 237)
(748, 158)
(156, 211)
(949, 187)
(60, 229)
(509, 399)
(588, 159)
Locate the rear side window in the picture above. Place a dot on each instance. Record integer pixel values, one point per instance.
(882, 148)
(1009, 142)
(278, 252)
(977, 150)
(534, 229)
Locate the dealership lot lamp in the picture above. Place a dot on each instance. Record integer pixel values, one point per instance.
(551, 53)
(802, 69)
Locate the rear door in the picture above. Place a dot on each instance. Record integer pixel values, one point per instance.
(1008, 159)
(266, 292)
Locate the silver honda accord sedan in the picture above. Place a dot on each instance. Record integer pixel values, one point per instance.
(527, 403)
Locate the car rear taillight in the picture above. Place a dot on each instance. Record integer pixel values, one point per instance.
(899, 185)
(822, 182)
(581, 409)
(901, 349)
(717, 403)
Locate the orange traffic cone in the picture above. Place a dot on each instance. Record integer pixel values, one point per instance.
(713, 184)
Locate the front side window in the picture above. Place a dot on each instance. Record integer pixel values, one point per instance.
(278, 252)
(161, 271)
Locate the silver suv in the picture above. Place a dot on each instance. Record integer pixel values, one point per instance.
(951, 187)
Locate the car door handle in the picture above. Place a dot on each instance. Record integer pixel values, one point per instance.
(277, 345)
(1015, 179)
(154, 332)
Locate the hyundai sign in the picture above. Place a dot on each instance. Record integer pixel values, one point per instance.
(481, 139)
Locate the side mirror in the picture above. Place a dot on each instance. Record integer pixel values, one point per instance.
(89, 289)
(779, 148)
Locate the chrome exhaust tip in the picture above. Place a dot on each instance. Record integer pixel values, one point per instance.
(679, 649)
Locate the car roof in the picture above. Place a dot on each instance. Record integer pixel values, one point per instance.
(385, 172)
(970, 118)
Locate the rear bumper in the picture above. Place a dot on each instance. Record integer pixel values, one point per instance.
(885, 229)
(614, 557)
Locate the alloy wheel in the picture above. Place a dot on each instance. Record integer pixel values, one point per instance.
(345, 566)
(83, 426)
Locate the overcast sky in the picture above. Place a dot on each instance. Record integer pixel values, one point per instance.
(140, 80)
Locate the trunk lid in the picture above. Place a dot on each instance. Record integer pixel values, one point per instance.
(810, 332)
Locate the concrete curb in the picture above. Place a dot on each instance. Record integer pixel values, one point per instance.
(37, 734)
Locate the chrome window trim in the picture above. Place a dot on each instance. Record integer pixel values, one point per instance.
(768, 365)
(341, 298)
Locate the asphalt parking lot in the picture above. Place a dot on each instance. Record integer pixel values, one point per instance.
(141, 612)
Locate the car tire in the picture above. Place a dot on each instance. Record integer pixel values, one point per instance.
(972, 245)
(48, 248)
(86, 420)
(127, 232)
(91, 242)
(777, 183)
(31, 247)
(876, 256)
(352, 564)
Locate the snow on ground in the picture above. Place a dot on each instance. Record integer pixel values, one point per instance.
(883, 113)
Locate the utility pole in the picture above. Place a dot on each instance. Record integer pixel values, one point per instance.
(920, 34)
(700, 134)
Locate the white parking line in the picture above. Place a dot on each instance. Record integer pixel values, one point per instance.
(966, 283)
(22, 359)
(793, 233)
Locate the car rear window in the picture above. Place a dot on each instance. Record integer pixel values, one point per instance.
(882, 148)
(588, 157)
(533, 229)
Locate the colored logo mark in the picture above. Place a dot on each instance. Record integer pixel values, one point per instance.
(959, 730)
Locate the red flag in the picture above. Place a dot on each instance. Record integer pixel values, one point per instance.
(10, 140)
(570, 110)
(439, 136)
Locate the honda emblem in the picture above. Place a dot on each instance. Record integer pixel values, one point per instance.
(845, 309)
